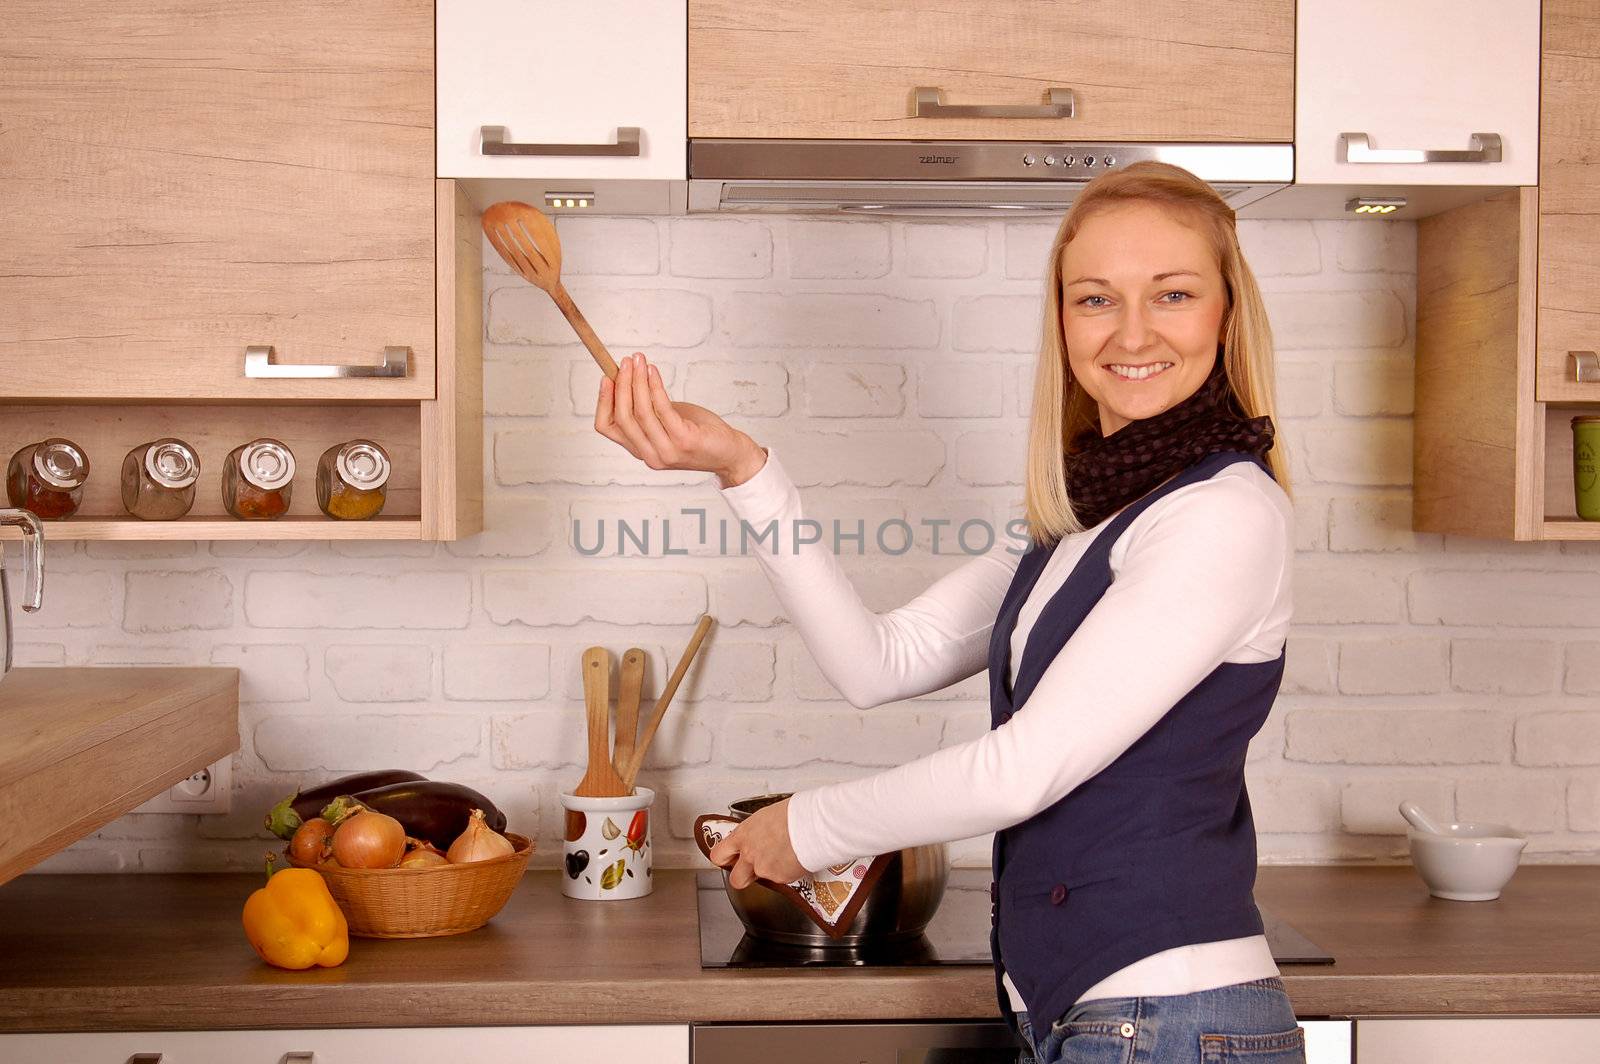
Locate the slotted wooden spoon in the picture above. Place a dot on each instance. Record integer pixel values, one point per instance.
(527, 240)
(601, 780)
(633, 663)
(631, 772)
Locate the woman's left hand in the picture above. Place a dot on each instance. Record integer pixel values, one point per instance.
(759, 848)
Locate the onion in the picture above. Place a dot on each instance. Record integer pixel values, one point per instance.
(369, 840)
(311, 841)
(479, 842)
(423, 859)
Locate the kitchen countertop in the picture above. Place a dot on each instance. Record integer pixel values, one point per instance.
(152, 952)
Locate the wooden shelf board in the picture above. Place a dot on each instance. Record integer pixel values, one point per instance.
(1570, 528)
(192, 528)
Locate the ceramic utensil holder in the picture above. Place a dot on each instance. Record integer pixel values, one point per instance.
(606, 847)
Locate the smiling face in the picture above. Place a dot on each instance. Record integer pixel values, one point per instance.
(1142, 309)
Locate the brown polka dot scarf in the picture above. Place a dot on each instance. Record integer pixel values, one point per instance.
(1107, 472)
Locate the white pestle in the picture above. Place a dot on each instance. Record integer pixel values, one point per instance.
(1418, 819)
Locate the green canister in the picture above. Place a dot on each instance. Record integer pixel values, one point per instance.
(1586, 466)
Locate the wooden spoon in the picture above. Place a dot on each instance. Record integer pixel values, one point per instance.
(631, 772)
(601, 780)
(527, 240)
(633, 663)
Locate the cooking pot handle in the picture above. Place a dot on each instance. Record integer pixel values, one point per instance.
(32, 555)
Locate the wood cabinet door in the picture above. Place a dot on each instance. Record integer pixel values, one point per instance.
(1420, 75)
(1569, 200)
(1164, 70)
(182, 179)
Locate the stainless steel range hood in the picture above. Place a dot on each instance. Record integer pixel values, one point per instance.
(988, 178)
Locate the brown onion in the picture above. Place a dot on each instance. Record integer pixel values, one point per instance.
(479, 842)
(423, 859)
(369, 840)
(311, 840)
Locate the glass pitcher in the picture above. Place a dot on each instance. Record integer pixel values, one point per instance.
(32, 564)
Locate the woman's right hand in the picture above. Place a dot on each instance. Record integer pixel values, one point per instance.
(635, 413)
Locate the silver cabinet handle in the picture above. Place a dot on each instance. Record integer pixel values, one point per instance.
(492, 141)
(929, 103)
(299, 1058)
(1585, 366)
(1357, 148)
(258, 362)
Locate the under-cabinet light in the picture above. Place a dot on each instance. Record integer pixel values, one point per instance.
(564, 200)
(1362, 205)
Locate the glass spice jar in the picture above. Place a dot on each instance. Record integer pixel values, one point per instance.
(46, 478)
(256, 480)
(158, 479)
(352, 480)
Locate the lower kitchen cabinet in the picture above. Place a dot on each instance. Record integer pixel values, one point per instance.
(410, 1045)
(1547, 1040)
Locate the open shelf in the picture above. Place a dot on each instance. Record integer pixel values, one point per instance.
(194, 528)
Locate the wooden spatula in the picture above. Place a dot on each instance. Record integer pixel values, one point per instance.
(633, 663)
(527, 240)
(601, 780)
(631, 773)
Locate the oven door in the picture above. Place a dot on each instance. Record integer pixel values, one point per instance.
(854, 1043)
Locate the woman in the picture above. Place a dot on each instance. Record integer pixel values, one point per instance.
(1133, 650)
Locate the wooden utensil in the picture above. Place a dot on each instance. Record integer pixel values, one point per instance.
(601, 780)
(527, 240)
(633, 663)
(631, 773)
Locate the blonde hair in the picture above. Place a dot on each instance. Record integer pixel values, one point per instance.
(1062, 408)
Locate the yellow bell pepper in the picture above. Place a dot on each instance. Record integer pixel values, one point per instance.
(293, 922)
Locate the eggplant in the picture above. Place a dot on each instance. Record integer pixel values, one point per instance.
(285, 818)
(432, 809)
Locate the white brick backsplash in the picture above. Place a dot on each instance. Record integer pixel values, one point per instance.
(1516, 598)
(520, 389)
(997, 323)
(816, 320)
(469, 651)
(1559, 739)
(1376, 386)
(1504, 666)
(1313, 321)
(419, 741)
(625, 246)
(632, 317)
(1390, 666)
(1376, 736)
(742, 389)
(357, 600)
(639, 528)
(1376, 453)
(719, 247)
(396, 673)
(268, 672)
(1523, 804)
(1371, 806)
(781, 740)
(1582, 669)
(960, 389)
(1374, 523)
(934, 250)
(538, 598)
(844, 250)
(178, 601)
(854, 389)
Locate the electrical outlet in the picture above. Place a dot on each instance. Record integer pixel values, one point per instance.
(207, 791)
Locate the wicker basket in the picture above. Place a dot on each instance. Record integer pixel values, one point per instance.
(425, 902)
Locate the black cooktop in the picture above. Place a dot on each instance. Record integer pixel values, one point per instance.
(959, 934)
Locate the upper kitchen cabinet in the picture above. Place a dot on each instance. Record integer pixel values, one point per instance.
(1152, 70)
(533, 88)
(1427, 92)
(186, 181)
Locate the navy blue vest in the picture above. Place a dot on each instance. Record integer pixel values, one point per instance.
(1157, 850)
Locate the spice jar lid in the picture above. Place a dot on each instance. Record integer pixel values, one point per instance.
(363, 464)
(266, 463)
(1586, 419)
(61, 463)
(172, 463)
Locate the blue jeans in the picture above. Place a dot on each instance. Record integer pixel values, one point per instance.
(1249, 1023)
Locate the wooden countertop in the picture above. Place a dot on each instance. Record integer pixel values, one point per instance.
(151, 952)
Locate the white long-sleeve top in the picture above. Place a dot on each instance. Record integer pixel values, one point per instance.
(1200, 578)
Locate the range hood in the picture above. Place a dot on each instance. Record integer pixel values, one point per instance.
(915, 177)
